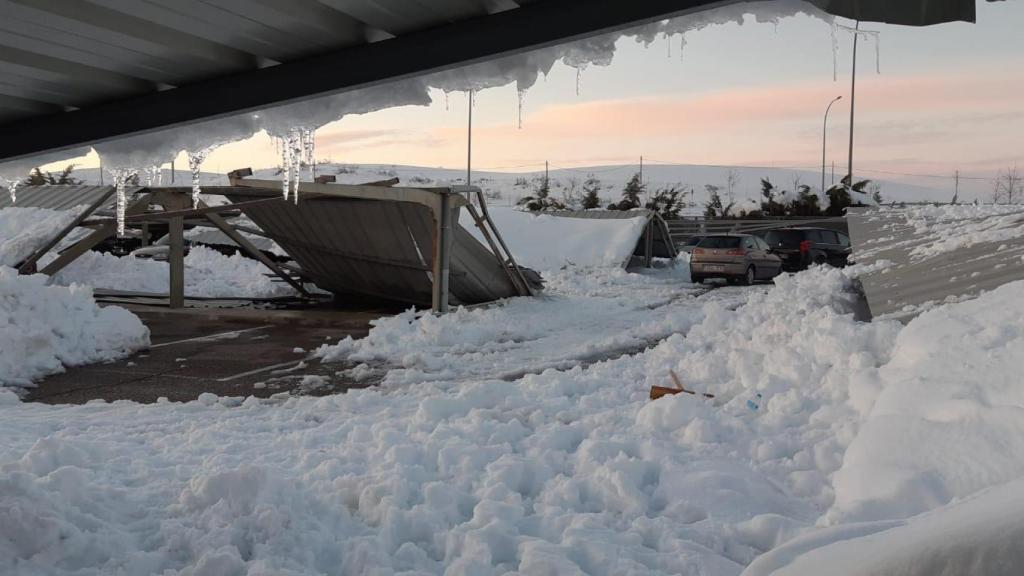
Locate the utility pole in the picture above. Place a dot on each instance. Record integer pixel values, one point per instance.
(469, 142)
(546, 181)
(956, 188)
(641, 169)
(853, 98)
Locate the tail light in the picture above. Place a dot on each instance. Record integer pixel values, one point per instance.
(736, 252)
(698, 250)
(805, 246)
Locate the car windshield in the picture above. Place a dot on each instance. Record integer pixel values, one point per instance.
(785, 238)
(694, 240)
(720, 242)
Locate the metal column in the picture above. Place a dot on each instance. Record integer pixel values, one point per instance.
(176, 260)
(442, 254)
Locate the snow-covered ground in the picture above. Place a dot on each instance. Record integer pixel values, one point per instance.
(483, 452)
(518, 438)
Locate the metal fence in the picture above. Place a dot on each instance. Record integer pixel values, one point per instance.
(683, 228)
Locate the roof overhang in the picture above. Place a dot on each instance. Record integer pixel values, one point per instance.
(49, 103)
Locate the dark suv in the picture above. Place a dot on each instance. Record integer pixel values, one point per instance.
(800, 247)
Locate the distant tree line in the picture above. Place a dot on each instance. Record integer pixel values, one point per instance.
(801, 201)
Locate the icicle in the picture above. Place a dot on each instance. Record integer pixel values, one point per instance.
(308, 149)
(445, 100)
(522, 97)
(878, 54)
(579, 75)
(835, 52)
(121, 177)
(195, 160)
(153, 176)
(286, 172)
(295, 161)
(12, 189)
(682, 45)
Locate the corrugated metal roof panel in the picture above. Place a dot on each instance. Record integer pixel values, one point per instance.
(912, 284)
(60, 197)
(382, 249)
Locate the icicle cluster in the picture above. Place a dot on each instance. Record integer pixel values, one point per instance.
(121, 177)
(195, 160)
(297, 147)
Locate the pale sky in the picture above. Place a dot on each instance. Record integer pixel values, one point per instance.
(948, 97)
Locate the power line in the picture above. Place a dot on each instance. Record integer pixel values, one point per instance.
(627, 166)
(942, 176)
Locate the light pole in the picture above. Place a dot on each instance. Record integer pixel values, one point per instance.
(853, 99)
(824, 141)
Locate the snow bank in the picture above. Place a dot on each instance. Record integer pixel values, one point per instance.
(24, 230)
(545, 242)
(980, 535)
(208, 273)
(44, 328)
(570, 471)
(945, 418)
(518, 439)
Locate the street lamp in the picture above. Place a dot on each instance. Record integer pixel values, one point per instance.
(824, 140)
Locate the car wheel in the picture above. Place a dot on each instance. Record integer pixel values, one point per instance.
(820, 259)
(749, 278)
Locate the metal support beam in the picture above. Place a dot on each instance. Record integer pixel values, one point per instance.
(531, 26)
(176, 260)
(649, 243)
(29, 265)
(251, 250)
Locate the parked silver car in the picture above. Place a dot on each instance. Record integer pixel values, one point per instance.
(736, 257)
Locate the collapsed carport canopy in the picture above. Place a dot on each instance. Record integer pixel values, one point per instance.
(77, 72)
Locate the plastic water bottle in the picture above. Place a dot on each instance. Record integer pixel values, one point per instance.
(755, 402)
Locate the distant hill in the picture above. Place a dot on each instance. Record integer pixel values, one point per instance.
(505, 188)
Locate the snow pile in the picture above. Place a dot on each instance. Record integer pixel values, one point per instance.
(44, 328)
(980, 535)
(25, 230)
(948, 410)
(545, 242)
(208, 274)
(479, 456)
(563, 471)
(940, 444)
(931, 231)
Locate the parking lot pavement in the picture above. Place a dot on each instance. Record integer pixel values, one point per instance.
(237, 352)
